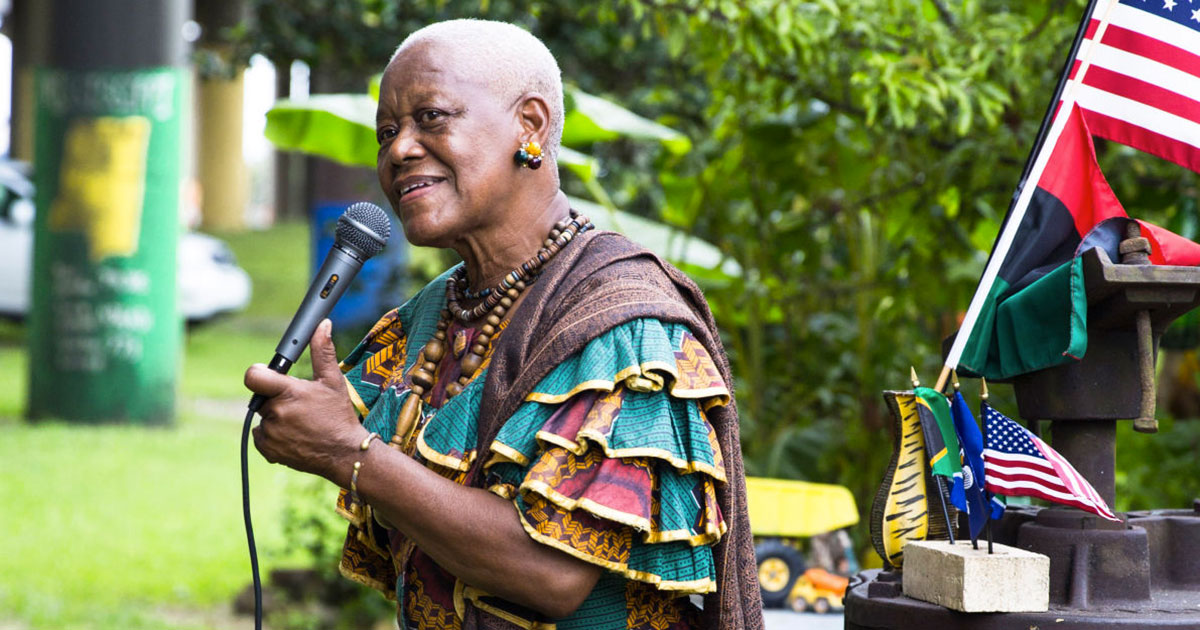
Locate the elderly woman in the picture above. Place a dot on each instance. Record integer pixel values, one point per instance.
(544, 435)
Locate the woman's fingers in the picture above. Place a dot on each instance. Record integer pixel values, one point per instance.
(261, 380)
(324, 357)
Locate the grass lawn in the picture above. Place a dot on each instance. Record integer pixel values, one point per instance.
(129, 527)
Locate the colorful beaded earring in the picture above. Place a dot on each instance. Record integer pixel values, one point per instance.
(529, 155)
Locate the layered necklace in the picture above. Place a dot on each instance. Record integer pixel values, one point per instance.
(496, 302)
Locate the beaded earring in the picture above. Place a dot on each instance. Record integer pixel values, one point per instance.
(529, 155)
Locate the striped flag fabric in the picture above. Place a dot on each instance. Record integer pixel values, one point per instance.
(1141, 79)
(1018, 464)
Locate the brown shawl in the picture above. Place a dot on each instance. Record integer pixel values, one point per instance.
(600, 281)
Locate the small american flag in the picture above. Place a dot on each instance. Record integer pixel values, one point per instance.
(1018, 464)
(1141, 79)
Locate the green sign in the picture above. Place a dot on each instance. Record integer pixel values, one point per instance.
(105, 331)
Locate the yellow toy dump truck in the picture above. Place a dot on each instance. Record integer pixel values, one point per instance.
(784, 511)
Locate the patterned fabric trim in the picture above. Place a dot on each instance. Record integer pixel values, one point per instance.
(480, 600)
(647, 355)
(580, 446)
(630, 492)
(448, 439)
(366, 565)
(617, 565)
(388, 590)
(647, 609)
(356, 400)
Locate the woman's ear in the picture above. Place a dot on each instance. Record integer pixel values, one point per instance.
(533, 114)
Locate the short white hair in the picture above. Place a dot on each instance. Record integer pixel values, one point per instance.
(510, 60)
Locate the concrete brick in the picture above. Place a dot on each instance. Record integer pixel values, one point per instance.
(968, 580)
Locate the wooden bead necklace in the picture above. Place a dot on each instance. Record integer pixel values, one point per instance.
(496, 304)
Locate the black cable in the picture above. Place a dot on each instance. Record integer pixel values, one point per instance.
(246, 518)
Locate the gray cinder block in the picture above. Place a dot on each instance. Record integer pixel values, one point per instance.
(970, 580)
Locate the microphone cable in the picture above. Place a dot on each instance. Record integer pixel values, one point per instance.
(258, 613)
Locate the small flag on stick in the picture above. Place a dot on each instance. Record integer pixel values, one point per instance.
(941, 448)
(1018, 464)
(979, 504)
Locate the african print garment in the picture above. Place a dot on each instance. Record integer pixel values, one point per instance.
(610, 459)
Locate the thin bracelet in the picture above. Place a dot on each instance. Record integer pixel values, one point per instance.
(366, 444)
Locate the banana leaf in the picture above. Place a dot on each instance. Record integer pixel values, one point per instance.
(701, 259)
(593, 119)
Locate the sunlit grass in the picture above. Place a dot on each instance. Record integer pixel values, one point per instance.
(127, 527)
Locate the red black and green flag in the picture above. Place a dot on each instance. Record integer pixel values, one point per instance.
(1030, 309)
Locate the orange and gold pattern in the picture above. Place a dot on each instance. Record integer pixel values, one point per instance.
(366, 566)
(698, 375)
(615, 489)
(580, 533)
(429, 603)
(650, 609)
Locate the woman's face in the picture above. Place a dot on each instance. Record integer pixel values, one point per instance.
(445, 146)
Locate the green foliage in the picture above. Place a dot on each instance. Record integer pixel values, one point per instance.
(1158, 471)
(861, 155)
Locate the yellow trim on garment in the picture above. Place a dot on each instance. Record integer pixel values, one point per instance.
(684, 535)
(356, 400)
(502, 490)
(699, 587)
(462, 592)
(508, 453)
(442, 459)
(389, 591)
(349, 516)
(635, 377)
(554, 399)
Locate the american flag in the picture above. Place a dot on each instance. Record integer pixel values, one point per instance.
(1018, 464)
(1140, 61)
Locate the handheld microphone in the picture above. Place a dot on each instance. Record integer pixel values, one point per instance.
(362, 231)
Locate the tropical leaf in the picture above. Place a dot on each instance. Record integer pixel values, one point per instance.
(591, 119)
(672, 244)
(340, 127)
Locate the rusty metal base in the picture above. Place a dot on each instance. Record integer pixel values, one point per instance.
(1142, 574)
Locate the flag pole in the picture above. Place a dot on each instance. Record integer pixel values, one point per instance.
(983, 395)
(938, 480)
(1035, 163)
(1044, 128)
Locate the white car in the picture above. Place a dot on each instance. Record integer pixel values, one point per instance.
(209, 280)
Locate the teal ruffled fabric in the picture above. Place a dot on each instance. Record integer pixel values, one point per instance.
(625, 413)
(646, 354)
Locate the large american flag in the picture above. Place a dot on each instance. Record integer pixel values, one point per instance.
(1141, 76)
(1018, 464)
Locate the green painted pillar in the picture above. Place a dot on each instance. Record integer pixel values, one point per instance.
(105, 332)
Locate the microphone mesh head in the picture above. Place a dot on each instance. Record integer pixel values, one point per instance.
(365, 227)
